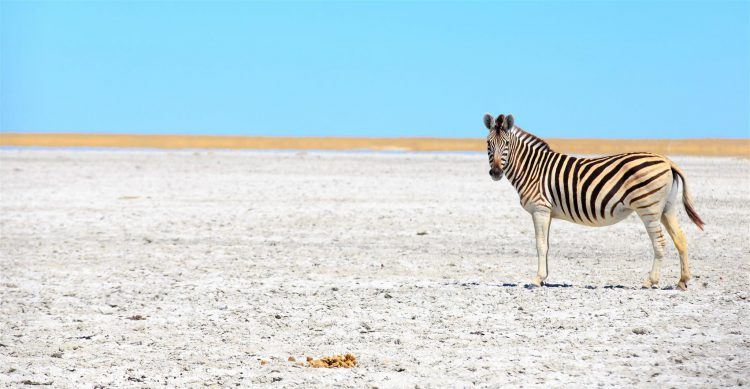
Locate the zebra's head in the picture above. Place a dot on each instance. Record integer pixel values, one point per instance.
(497, 143)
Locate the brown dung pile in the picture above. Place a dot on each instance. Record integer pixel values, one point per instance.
(347, 361)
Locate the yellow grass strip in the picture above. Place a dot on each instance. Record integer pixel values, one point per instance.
(705, 147)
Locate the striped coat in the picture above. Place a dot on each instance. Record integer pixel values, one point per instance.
(590, 191)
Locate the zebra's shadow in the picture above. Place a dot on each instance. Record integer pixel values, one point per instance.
(591, 287)
(563, 285)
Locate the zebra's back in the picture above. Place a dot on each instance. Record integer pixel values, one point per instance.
(604, 190)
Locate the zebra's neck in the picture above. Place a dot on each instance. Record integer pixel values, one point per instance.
(529, 139)
(524, 154)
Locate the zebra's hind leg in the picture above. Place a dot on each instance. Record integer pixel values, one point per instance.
(669, 219)
(651, 221)
(542, 218)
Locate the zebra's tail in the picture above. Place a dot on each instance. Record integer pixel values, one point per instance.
(686, 200)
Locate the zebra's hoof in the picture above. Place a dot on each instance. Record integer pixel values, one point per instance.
(682, 285)
(648, 284)
(537, 281)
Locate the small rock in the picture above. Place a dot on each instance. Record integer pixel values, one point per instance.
(69, 346)
(57, 354)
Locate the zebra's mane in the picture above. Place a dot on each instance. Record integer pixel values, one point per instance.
(531, 139)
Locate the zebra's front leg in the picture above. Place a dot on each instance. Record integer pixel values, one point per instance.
(542, 218)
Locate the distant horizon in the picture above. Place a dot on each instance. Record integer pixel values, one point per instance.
(610, 70)
(250, 135)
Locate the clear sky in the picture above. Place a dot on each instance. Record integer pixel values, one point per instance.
(630, 70)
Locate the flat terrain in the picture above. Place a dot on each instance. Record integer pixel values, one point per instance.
(132, 268)
(700, 147)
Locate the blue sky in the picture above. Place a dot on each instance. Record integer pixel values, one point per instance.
(613, 70)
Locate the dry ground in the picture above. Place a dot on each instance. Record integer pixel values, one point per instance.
(699, 147)
(234, 257)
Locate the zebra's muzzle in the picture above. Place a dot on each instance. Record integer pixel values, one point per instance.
(496, 173)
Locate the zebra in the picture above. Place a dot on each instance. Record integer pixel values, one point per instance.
(590, 191)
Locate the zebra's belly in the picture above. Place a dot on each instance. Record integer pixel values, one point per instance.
(610, 218)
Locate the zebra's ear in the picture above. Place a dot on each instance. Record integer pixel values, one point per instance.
(508, 124)
(499, 122)
(488, 119)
